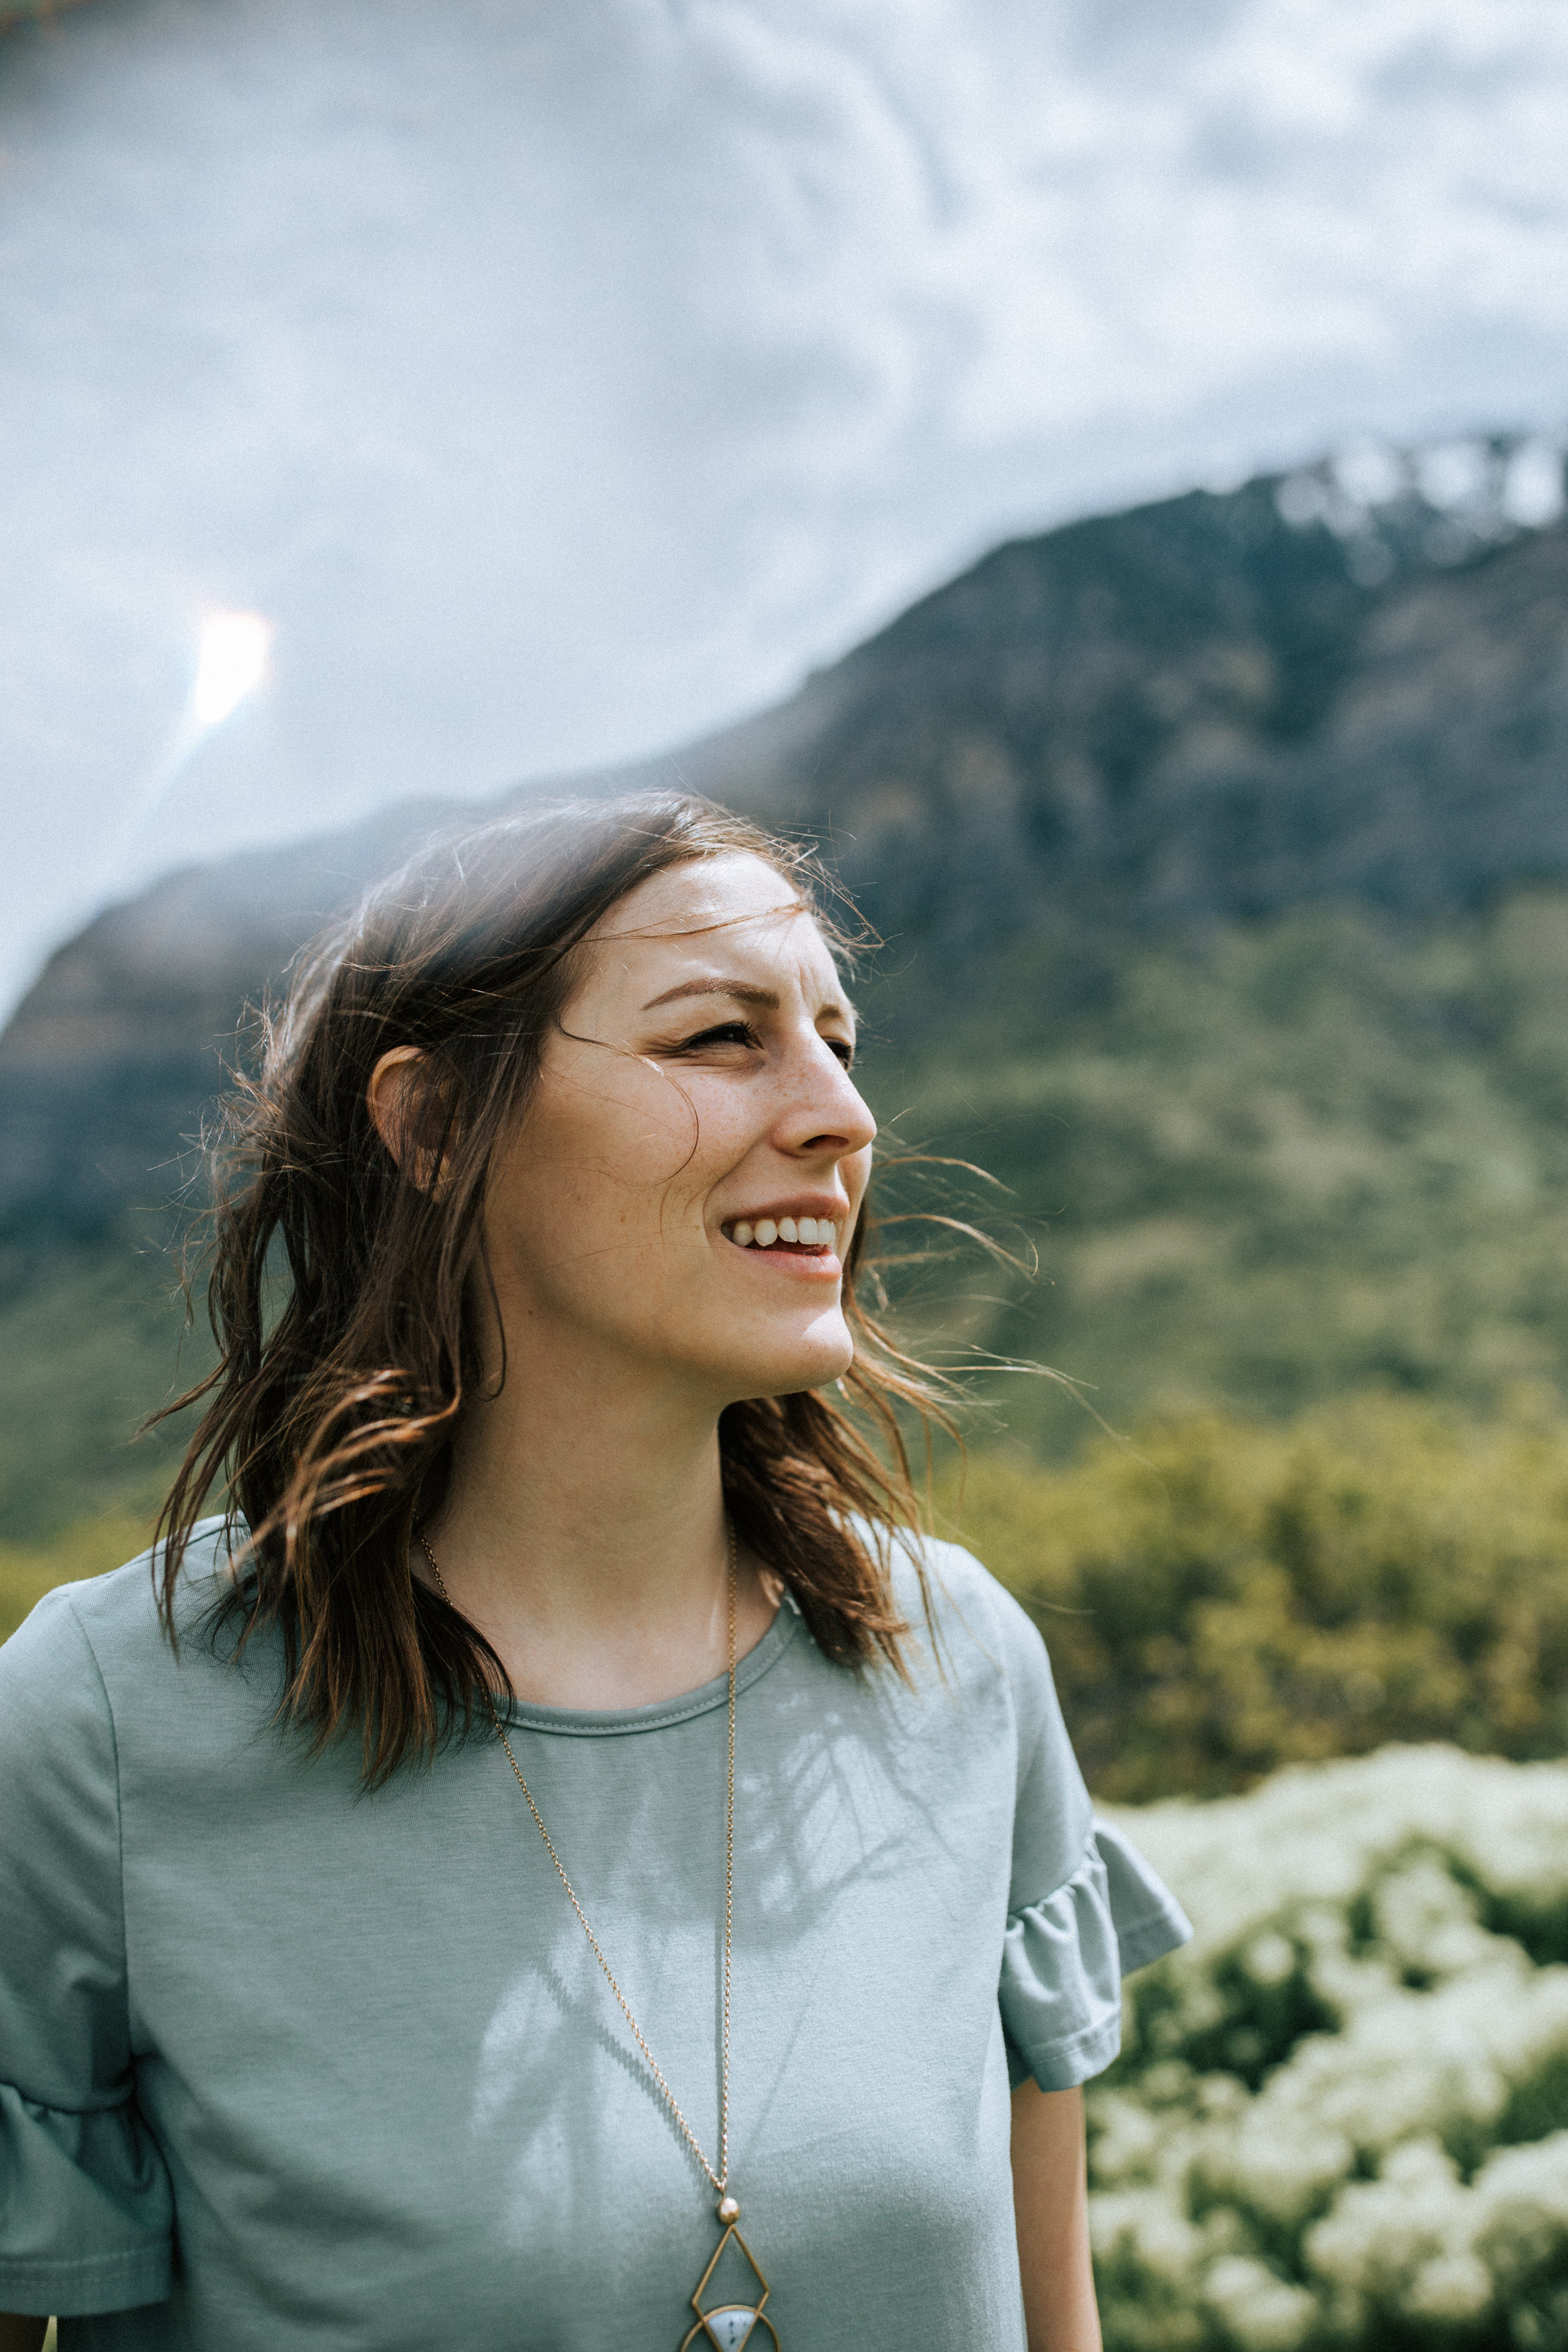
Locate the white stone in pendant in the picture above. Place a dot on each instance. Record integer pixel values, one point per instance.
(730, 2324)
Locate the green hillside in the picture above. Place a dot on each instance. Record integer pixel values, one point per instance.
(1261, 1166)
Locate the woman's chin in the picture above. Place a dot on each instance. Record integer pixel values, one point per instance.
(811, 1361)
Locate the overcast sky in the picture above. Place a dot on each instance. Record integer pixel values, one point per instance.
(563, 381)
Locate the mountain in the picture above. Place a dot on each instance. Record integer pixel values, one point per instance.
(1205, 708)
(1199, 709)
(107, 1061)
(1218, 847)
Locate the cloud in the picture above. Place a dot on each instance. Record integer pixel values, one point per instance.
(560, 381)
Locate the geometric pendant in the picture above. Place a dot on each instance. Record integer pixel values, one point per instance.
(730, 2326)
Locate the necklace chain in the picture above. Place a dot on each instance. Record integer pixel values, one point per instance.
(720, 2178)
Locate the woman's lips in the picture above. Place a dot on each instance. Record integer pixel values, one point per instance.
(786, 1258)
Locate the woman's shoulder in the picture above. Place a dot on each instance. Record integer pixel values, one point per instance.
(109, 1625)
(987, 1672)
(971, 1620)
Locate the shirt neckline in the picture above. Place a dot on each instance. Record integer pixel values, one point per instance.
(609, 1723)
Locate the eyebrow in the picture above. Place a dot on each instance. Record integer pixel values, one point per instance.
(743, 992)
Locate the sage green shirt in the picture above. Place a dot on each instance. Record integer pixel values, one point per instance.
(283, 2064)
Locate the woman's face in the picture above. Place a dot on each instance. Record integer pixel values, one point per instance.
(683, 1185)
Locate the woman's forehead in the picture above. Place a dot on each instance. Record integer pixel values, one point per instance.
(704, 894)
(732, 909)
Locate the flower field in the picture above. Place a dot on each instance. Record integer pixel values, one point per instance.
(1341, 2115)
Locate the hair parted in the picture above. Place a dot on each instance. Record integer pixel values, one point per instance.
(337, 1287)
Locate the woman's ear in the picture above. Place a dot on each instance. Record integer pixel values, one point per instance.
(398, 1100)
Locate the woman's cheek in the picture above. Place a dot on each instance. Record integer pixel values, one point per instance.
(669, 1127)
(722, 1132)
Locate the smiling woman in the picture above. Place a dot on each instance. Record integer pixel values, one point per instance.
(564, 1785)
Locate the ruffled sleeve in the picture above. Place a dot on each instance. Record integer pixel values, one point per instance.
(1084, 1910)
(86, 2212)
(1064, 1957)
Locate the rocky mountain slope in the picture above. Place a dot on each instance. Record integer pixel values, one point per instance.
(1213, 708)
(1197, 709)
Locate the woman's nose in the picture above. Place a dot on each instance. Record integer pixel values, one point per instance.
(830, 1112)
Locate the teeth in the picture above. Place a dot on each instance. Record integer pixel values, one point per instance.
(813, 1233)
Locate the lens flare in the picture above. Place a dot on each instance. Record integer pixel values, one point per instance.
(232, 664)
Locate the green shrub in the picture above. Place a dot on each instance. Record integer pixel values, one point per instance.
(1220, 1599)
(1341, 2120)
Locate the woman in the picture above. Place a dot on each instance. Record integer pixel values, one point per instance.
(562, 1864)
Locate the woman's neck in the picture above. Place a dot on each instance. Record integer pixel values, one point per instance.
(584, 1533)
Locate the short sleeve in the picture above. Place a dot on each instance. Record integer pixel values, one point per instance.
(1085, 1909)
(1066, 1955)
(86, 2212)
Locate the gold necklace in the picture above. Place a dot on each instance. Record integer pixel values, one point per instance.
(726, 2325)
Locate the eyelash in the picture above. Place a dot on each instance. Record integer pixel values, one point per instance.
(731, 1032)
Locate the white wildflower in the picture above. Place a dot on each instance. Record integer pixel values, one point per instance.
(1148, 2226)
(1269, 1958)
(1450, 2287)
(1380, 2233)
(1427, 1920)
(1522, 2194)
(1127, 2139)
(1261, 2310)
(1347, 1962)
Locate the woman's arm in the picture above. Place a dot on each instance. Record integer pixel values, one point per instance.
(1050, 2199)
(20, 2334)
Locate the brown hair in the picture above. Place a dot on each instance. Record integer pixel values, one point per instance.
(336, 1292)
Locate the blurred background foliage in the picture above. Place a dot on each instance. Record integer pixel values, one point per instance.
(1221, 1597)
(1262, 1164)
(89, 1548)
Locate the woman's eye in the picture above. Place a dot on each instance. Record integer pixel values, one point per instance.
(742, 1032)
(726, 1033)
